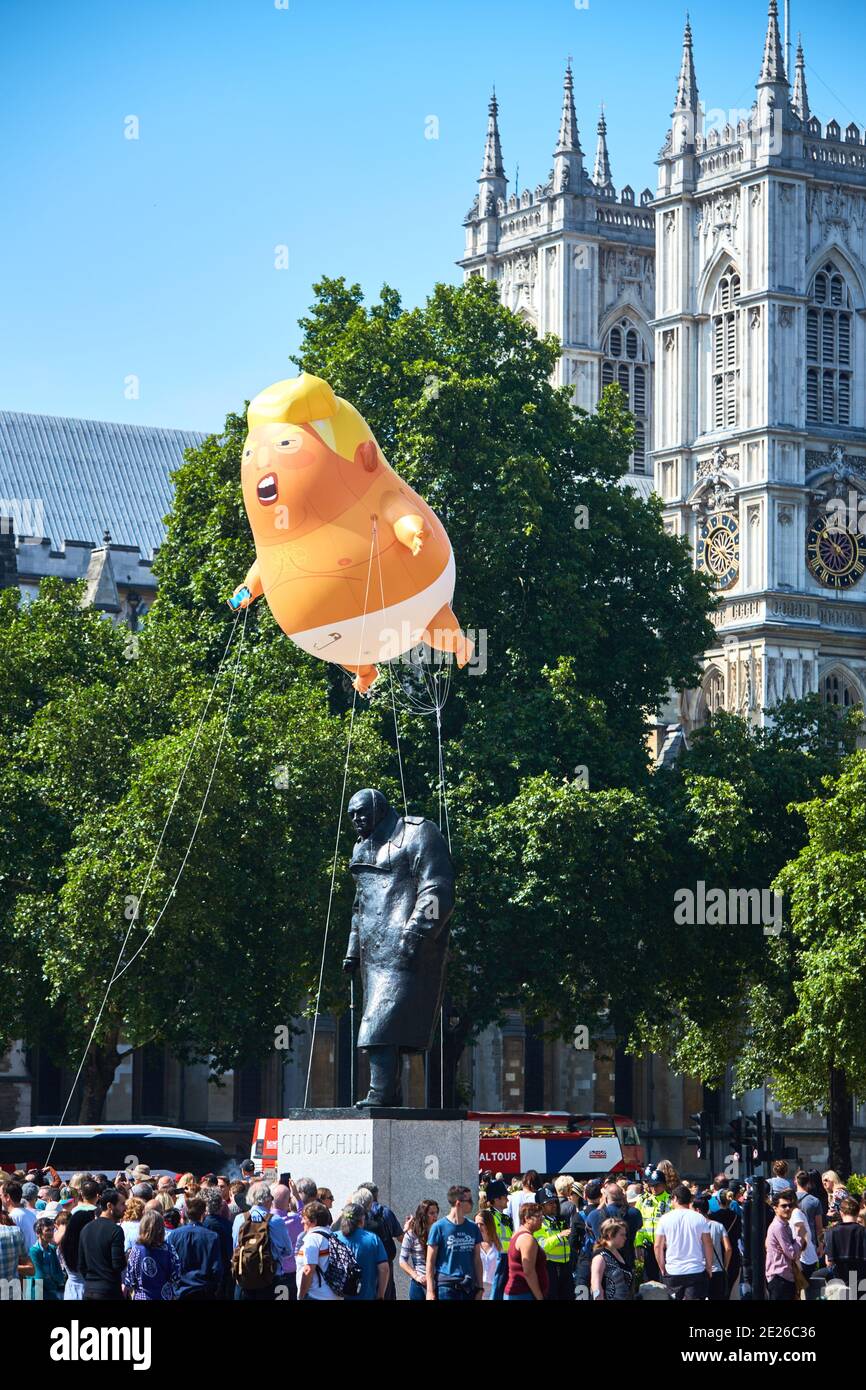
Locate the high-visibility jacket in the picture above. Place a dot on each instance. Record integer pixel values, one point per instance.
(552, 1236)
(652, 1207)
(504, 1230)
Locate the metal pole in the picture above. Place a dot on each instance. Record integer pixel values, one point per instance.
(787, 40)
(442, 1058)
(352, 1039)
(758, 1235)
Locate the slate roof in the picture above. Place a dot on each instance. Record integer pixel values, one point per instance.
(91, 476)
(639, 483)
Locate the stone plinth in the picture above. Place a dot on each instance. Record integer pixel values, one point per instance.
(409, 1154)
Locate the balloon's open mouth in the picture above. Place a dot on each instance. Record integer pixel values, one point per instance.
(266, 490)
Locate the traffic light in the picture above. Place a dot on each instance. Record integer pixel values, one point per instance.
(700, 1131)
(753, 1136)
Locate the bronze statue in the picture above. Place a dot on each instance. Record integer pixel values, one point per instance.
(404, 898)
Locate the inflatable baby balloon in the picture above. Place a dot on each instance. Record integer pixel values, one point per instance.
(355, 567)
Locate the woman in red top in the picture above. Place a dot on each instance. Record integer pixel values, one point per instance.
(527, 1262)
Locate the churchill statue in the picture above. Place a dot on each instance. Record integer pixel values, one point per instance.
(404, 897)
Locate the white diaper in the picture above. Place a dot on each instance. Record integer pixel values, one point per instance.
(384, 634)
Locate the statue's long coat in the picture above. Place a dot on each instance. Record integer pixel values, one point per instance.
(404, 897)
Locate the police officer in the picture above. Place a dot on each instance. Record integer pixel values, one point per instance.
(497, 1199)
(652, 1206)
(553, 1237)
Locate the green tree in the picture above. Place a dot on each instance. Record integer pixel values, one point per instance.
(551, 891)
(731, 821)
(589, 609)
(808, 1024)
(224, 945)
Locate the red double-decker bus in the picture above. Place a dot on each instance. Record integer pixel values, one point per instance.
(553, 1142)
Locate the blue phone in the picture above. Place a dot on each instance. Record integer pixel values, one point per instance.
(237, 599)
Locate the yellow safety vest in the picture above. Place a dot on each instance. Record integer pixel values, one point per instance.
(503, 1230)
(651, 1207)
(553, 1240)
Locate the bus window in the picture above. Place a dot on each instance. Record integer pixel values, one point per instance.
(628, 1135)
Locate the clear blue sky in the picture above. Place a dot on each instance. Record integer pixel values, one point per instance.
(303, 126)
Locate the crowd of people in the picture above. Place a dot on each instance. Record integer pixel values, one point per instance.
(663, 1238)
(142, 1237)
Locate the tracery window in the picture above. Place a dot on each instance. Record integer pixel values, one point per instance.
(829, 350)
(836, 690)
(714, 691)
(726, 353)
(626, 362)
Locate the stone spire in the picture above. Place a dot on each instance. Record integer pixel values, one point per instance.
(569, 174)
(687, 87)
(800, 99)
(773, 67)
(686, 113)
(569, 137)
(601, 173)
(492, 183)
(491, 165)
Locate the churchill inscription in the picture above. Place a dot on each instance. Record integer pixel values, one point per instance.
(315, 1142)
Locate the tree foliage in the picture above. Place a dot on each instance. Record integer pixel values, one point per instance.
(589, 609)
(732, 821)
(590, 612)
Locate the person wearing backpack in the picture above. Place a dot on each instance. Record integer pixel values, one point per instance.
(260, 1246)
(369, 1252)
(383, 1223)
(314, 1255)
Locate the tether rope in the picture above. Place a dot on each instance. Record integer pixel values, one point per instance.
(151, 929)
(438, 695)
(115, 974)
(393, 698)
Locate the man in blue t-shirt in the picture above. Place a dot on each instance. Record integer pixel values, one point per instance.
(368, 1251)
(454, 1253)
(382, 1221)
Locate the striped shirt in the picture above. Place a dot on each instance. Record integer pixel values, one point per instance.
(11, 1251)
(413, 1252)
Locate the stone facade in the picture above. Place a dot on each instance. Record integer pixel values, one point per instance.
(575, 258)
(760, 410)
(748, 302)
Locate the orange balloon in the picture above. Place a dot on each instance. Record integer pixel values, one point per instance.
(355, 566)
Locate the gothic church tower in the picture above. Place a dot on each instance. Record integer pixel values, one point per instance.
(760, 405)
(575, 259)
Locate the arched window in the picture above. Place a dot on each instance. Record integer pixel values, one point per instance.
(714, 691)
(626, 362)
(829, 350)
(726, 353)
(836, 690)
